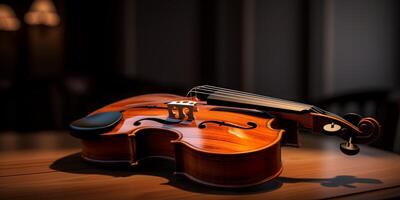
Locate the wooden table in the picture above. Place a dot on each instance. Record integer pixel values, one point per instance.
(316, 170)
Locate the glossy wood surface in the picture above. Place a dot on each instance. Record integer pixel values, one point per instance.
(317, 170)
(213, 138)
(214, 155)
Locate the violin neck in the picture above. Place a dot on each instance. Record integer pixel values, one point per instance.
(265, 104)
(307, 116)
(227, 97)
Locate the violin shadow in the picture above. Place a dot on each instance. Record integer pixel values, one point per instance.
(338, 181)
(74, 163)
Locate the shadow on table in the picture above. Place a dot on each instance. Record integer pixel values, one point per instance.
(164, 168)
(345, 181)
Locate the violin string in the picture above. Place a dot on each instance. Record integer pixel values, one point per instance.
(249, 96)
(277, 100)
(306, 106)
(208, 90)
(252, 94)
(267, 104)
(231, 90)
(254, 102)
(221, 90)
(261, 96)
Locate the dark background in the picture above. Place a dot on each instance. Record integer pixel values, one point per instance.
(341, 55)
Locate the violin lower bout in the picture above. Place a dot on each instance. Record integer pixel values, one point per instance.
(213, 169)
(228, 170)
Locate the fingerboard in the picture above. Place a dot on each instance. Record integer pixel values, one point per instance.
(228, 97)
(261, 104)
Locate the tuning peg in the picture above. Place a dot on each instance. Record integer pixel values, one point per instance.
(349, 148)
(331, 129)
(352, 118)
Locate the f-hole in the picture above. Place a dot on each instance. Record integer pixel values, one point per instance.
(154, 143)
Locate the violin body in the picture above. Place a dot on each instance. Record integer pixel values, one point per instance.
(217, 137)
(216, 155)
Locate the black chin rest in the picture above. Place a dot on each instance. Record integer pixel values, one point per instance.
(91, 126)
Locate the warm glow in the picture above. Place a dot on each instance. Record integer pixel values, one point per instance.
(238, 133)
(8, 21)
(42, 12)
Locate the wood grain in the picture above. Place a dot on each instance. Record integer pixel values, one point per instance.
(216, 148)
(314, 171)
(214, 138)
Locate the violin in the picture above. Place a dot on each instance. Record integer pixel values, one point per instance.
(216, 136)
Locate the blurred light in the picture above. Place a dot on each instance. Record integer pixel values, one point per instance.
(237, 132)
(8, 21)
(42, 12)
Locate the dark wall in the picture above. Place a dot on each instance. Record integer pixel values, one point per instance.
(93, 38)
(280, 50)
(168, 41)
(103, 51)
